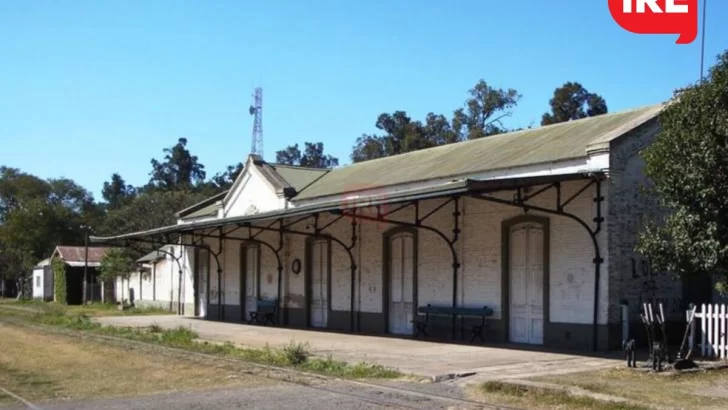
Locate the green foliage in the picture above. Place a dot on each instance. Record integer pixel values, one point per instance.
(224, 181)
(485, 109)
(552, 398)
(178, 170)
(59, 280)
(572, 101)
(297, 353)
(149, 210)
(15, 263)
(36, 215)
(482, 116)
(117, 263)
(688, 165)
(312, 157)
(117, 193)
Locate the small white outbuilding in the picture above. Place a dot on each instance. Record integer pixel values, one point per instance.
(43, 280)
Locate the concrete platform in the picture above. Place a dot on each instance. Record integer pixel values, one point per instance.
(435, 360)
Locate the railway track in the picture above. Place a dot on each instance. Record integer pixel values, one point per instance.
(384, 395)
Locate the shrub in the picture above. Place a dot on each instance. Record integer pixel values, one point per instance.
(59, 281)
(296, 353)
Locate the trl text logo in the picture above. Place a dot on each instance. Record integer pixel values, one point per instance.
(658, 17)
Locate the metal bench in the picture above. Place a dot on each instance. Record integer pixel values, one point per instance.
(429, 310)
(266, 312)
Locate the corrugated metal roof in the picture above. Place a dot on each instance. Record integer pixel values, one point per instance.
(297, 177)
(77, 254)
(44, 262)
(547, 144)
(209, 210)
(156, 255)
(205, 205)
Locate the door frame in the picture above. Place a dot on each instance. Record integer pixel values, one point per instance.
(244, 276)
(307, 278)
(506, 226)
(386, 274)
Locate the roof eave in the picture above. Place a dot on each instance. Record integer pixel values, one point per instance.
(452, 189)
(211, 200)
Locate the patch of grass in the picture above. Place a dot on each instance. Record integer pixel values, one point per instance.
(351, 371)
(536, 397)
(110, 309)
(92, 309)
(296, 355)
(692, 390)
(25, 383)
(43, 366)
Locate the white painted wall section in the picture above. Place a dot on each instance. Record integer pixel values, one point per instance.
(252, 195)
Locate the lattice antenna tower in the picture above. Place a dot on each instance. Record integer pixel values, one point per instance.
(256, 110)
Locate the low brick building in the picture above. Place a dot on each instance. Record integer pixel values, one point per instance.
(538, 226)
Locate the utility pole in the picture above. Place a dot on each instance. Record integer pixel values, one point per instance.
(702, 47)
(85, 264)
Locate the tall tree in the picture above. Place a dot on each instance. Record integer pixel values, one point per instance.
(117, 264)
(117, 193)
(178, 170)
(313, 156)
(572, 101)
(149, 210)
(36, 215)
(290, 155)
(688, 166)
(17, 187)
(485, 110)
(400, 134)
(222, 181)
(369, 147)
(483, 115)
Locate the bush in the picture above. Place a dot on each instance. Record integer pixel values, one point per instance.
(59, 281)
(179, 336)
(296, 353)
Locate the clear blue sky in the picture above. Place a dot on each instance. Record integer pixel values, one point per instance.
(88, 88)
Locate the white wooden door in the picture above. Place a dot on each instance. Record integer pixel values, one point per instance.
(401, 284)
(319, 307)
(251, 279)
(526, 284)
(203, 267)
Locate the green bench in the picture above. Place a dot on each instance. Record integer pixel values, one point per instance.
(429, 310)
(266, 312)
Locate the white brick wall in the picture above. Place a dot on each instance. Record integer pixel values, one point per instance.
(631, 278)
(252, 192)
(478, 248)
(162, 284)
